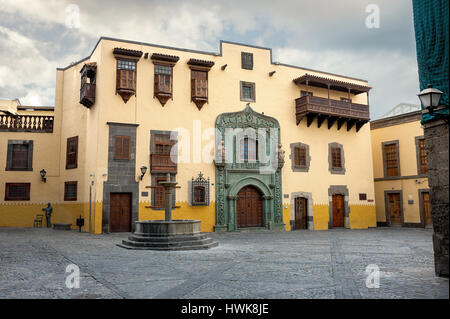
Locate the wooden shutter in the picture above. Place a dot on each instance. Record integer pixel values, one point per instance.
(122, 147)
(70, 191)
(299, 156)
(247, 60)
(423, 161)
(19, 159)
(159, 194)
(17, 191)
(336, 157)
(199, 194)
(72, 153)
(390, 153)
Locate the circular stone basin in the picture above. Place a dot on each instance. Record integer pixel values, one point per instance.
(167, 228)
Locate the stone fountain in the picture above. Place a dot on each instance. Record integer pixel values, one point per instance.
(168, 234)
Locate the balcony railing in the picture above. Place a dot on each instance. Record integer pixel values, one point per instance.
(333, 110)
(26, 123)
(161, 163)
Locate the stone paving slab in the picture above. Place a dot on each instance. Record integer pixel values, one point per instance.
(260, 264)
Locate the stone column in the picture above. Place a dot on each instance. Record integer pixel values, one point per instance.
(436, 144)
(268, 219)
(232, 226)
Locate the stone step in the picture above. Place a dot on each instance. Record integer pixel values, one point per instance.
(200, 242)
(201, 247)
(138, 238)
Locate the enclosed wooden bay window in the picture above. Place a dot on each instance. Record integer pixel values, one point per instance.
(163, 78)
(126, 75)
(87, 88)
(199, 81)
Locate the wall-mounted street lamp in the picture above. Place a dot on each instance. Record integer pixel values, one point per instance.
(430, 99)
(43, 173)
(143, 171)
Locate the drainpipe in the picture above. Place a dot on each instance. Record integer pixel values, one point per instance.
(90, 205)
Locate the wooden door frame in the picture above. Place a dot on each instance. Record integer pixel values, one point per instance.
(131, 209)
(422, 216)
(309, 209)
(386, 206)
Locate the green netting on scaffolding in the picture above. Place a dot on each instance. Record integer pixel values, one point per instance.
(432, 44)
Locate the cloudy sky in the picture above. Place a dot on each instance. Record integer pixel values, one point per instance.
(37, 36)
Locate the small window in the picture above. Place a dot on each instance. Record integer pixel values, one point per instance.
(72, 153)
(200, 191)
(336, 161)
(17, 191)
(305, 93)
(299, 156)
(249, 149)
(19, 155)
(362, 196)
(391, 159)
(122, 147)
(247, 60)
(423, 161)
(70, 191)
(248, 91)
(159, 197)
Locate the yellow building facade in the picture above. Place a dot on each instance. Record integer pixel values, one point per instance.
(252, 143)
(402, 194)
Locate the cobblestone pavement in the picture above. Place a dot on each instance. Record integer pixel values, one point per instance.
(298, 264)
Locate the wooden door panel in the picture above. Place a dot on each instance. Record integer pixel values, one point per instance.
(300, 213)
(338, 210)
(426, 208)
(249, 208)
(120, 213)
(395, 210)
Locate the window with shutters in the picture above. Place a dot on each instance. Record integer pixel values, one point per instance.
(19, 155)
(163, 82)
(160, 157)
(199, 191)
(126, 74)
(17, 191)
(336, 158)
(300, 158)
(159, 197)
(422, 160)
(122, 147)
(362, 196)
(247, 60)
(72, 153)
(248, 91)
(391, 159)
(126, 78)
(248, 149)
(70, 191)
(199, 87)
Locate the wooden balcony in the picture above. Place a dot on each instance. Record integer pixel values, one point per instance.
(87, 94)
(161, 163)
(26, 123)
(311, 107)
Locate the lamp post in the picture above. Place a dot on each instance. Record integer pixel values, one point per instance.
(43, 173)
(430, 99)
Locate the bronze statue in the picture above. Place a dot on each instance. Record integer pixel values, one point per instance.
(48, 214)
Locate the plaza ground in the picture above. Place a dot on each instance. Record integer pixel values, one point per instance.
(263, 264)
